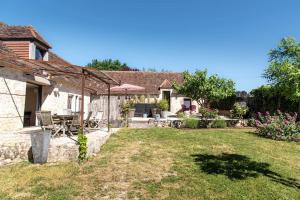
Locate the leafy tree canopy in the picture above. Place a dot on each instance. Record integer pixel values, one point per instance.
(264, 91)
(205, 89)
(109, 64)
(283, 71)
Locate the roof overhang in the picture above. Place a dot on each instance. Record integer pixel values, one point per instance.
(38, 80)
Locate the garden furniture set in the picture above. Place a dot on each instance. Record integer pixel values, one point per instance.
(68, 124)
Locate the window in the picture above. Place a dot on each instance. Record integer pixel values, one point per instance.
(39, 54)
(69, 104)
(187, 103)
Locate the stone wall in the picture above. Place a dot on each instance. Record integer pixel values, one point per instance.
(12, 99)
(13, 93)
(16, 147)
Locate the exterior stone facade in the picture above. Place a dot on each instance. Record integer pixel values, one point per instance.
(12, 99)
(13, 95)
(15, 147)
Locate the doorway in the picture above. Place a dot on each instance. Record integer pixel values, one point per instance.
(32, 104)
(187, 103)
(167, 96)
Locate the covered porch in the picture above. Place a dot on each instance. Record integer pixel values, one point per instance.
(44, 86)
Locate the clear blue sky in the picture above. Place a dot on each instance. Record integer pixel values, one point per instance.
(230, 38)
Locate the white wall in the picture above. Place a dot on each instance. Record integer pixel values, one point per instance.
(12, 99)
(32, 48)
(176, 101)
(13, 93)
(55, 98)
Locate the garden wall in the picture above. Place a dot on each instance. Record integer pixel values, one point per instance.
(16, 147)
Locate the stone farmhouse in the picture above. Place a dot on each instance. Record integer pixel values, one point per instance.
(33, 78)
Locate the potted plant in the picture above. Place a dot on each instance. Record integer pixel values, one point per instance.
(154, 109)
(40, 144)
(164, 106)
(124, 109)
(142, 99)
(131, 105)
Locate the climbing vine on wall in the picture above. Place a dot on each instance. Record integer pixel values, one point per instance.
(82, 140)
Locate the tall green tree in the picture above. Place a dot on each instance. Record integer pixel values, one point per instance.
(203, 88)
(109, 64)
(283, 71)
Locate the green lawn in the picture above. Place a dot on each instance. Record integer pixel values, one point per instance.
(167, 164)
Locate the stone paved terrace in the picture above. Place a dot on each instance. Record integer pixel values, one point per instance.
(15, 147)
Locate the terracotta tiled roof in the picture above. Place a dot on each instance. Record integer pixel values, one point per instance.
(21, 32)
(57, 59)
(55, 71)
(151, 81)
(166, 84)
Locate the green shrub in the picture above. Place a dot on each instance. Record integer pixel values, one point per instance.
(163, 104)
(203, 123)
(207, 113)
(142, 99)
(219, 123)
(180, 115)
(82, 140)
(191, 123)
(251, 122)
(239, 110)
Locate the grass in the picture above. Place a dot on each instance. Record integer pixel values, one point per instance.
(167, 164)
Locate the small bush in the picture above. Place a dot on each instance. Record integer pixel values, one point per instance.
(281, 126)
(251, 122)
(219, 123)
(142, 99)
(239, 110)
(191, 123)
(82, 140)
(180, 115)
(207, 113)
(163, 104)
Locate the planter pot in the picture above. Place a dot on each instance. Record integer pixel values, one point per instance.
(40, 143)
(164, 114)
(154, 111)
(131, 112)
(145, 115)
(157, 117)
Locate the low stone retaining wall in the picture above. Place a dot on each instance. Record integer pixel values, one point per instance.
(16, 147)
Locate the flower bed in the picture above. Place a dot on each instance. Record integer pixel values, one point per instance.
(280, 126)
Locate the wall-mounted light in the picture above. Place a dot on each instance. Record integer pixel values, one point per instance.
(56, 91)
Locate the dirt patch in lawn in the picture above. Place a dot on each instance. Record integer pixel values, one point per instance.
(222, 148)
(134, 162)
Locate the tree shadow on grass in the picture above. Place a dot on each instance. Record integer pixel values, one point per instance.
(239, 167)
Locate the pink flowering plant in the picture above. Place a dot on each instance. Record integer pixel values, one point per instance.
(280, 126)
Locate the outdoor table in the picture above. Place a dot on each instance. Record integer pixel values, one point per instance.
(64, 119)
